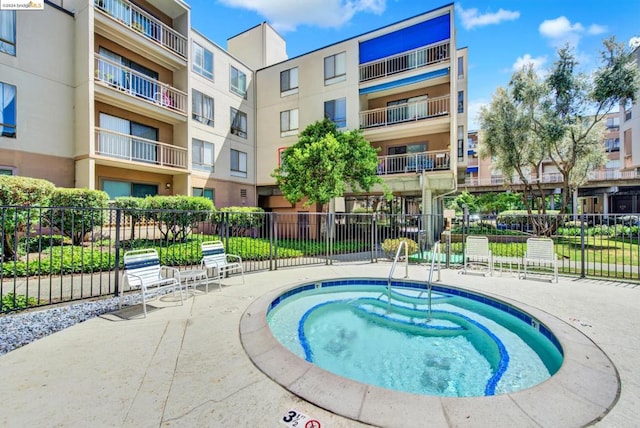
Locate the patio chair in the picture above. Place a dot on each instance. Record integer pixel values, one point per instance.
(541, 253)
(143, 271)
(477, 253)
(214, 257)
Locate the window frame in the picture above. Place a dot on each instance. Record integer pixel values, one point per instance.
(6, 125)
(204, 191)
(290, 130)
(200, 118)
(238, 172)
(335, 75)
(460, 102)
(201, 166)
(234, 88)
(10, 44)
(201, 68)
(7, 170)
(339, 121)
(289, 90)
(242, 133)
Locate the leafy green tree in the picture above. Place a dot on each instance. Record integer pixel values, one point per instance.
(75, 212)
(558, 119)
(21, 199)
(325, 163)
(464, 198)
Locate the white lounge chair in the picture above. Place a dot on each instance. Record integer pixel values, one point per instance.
(143, 271)
(477, 253)
(541, 253)
(214, 257)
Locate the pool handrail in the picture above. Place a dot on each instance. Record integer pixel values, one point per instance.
(403, 243)
(435, 253)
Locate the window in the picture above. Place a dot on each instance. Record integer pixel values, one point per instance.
(115, 139)
(142, 83)
(288, 122)
(289, 81)
(335, 68)
(238, 123)
(613, 164)
(202, 155)
(613, 122)
(238, 163)
(204, 192)
(5, 170)
(125, 188)
(202, 108)
(460, 142)
(8, 31)
(460, 101)
(238, 82)
(202, 61)
(7, 110)
(612, 145)
(336, 111)
(460, 67)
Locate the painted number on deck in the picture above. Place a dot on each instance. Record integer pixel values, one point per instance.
(296, 419)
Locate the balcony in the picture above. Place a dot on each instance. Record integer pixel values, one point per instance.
(437, 160)
(592, 176)
(126, 147)
(114, 15)
(403, 113)
(406, 61)
(140, 87)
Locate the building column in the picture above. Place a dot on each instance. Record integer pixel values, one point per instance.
(605, 204)
(427, 209)
(575, 203)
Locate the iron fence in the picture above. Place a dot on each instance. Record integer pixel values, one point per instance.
(58, 254)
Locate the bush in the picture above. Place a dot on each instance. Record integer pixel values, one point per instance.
(390, 247)
(132, 208)
(23, 193)
(176, 216)
(11, 302)
(75, 212)
(242, 219)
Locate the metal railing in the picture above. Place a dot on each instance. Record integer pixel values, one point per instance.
(405, 61)
(598, 175)
(436, 160)
(136, 84)
(130, 15)
(60, 254)
(129, 147)
(403, 113)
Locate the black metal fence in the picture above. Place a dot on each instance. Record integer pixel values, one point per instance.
(58, 254)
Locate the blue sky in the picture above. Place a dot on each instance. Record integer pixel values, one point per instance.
(501, 35)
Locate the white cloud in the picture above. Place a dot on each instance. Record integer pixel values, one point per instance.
(537, 62)
(286, 15)
(472, 113)
(634, 42)
(595, 29)
(472, 18)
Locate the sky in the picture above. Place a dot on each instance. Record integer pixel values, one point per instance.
(501, 35)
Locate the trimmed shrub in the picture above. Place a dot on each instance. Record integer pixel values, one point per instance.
(241, 219)
(176, 216)
(18, 196)
(131, 209)
(390, 247)
(75, 212)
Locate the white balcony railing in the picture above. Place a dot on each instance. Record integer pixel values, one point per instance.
(139, 85)
(402, 113)
(137, 19)
(405, 61)
(129, 147)
(599, 175)
(436, 160)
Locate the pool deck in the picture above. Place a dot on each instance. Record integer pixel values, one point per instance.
(186, 365)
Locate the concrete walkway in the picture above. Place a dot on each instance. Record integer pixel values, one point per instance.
(185, 365)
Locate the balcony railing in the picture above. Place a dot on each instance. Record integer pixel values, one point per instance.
(437, 160)
(600, 175)
(129, 147)
(405, 61)
(137, 19)
(139, 85)
(402, 113)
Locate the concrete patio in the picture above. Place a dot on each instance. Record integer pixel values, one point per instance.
(186, 365)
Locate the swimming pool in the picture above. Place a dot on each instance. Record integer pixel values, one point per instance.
(468, 345)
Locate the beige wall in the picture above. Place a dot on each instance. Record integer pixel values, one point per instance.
(258, 47)
(58, 170)
(434, 142)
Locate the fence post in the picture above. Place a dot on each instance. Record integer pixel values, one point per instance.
(583, 219)
(275, 241)
(374, 238)
(116, 280)
(326, 237)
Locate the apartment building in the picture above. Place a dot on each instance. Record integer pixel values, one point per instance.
(404, 86)
(129, 99)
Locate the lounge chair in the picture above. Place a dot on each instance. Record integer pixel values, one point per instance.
(143, 271)
(477, 253)
(541, 253)
(215, 258)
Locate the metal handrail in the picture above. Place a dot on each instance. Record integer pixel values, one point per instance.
(393, 268)
(435, 253)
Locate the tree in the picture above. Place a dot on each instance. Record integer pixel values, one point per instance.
(324, 163)
(555, 119)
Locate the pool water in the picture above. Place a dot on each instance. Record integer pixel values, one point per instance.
(466, 348)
